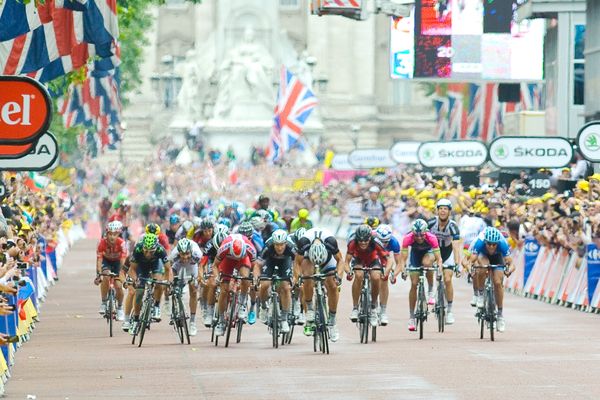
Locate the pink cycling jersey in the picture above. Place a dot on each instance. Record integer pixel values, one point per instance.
(430, 242)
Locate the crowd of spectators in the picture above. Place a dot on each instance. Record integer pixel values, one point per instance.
(31, 221)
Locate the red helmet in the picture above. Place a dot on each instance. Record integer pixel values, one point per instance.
(238, 247)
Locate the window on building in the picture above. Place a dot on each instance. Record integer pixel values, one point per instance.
(578, 65)
(289, 4)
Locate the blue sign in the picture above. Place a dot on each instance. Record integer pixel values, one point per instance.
(532, 249)
(593, 268)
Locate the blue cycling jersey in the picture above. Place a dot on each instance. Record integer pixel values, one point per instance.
(393, 245)
(479, 248)
(257, 241)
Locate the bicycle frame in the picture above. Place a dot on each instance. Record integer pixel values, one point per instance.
(422, 308)
(111, 312)
(487, 315)
(275, 312)
(320, 335)
(364, 307)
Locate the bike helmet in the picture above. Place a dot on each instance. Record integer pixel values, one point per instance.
(207, 223)
(221, 228)
(492, 235)
(444, 203)
(114, 226)
(237, 249)
(373, 222)
(363, 233)
(419, 226)
(279, 236)
(298, 233)
(219, 236)
(153, 228)
(383, 233)
(225, 221)
(258, 223)
(173, 219)
(197, 221)
(184, 246)
(246, 229)
(150, 242)
(317, 253)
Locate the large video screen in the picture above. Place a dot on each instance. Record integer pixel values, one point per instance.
(466, 40)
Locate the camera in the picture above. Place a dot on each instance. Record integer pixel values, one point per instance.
(18, 281)
(22, 265)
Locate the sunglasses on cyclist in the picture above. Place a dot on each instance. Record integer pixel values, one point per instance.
(491, 244)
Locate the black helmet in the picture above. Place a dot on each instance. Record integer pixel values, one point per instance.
(363, 233)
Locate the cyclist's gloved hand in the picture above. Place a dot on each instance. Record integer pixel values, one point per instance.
(349, 276)
(97, 280)
(392, 278)
(338, 280)
(403, 275)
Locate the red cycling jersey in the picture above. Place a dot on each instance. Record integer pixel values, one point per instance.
(112, 252)
(367, 257)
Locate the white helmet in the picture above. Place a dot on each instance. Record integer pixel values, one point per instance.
(444, 203)
(279, 236)
(317, 253)
(114, 226)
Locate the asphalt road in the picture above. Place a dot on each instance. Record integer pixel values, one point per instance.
(546, 352)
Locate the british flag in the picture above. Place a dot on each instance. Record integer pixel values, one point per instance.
(295, 102)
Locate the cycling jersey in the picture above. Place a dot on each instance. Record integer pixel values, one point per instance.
(325, 236)
(154, 264)
(373, 255)
(444, 235)
(430, 242)
(227, 262)
(478, 247)
(271, 260)
(393, 245)
(257, 241)
(297, 223)
(112, 251)
(470, 228)
(191, 266)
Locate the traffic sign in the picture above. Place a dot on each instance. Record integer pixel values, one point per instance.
(25, 110)
(588, 140)
(40, 158)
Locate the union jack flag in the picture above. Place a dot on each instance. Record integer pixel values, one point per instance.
(295, 102)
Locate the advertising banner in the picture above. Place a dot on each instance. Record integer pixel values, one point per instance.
(40, 158)
(531, 250)
(588, 140)
(405, 152)
(371, 158)
(530, 152)
(339, 162)
(593, 264)
(460, 153)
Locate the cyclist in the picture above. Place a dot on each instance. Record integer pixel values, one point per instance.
(163, 239)
(208, 282)
(491, 248)
(247, 230)
(203, 231)
(301, 221)
(448, 235)
(318, 247)
(365, 251)
(471, 225)
(149, 258)
(186, 255)
(278, 252)
(297, 304)
(174, 224)
(424, 252)
(392, 246)
(236, 251)
(111, 254)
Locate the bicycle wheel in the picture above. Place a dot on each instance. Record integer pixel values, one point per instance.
(363, 317)
(144, 322)
(110, 310)
(231, 313)
(481, 324)
(323, 323)
(373, 334)
(239, 325)
(421, 309)
(184, 323)
(175, 319)
(274, 320)
(491, 310)
(441, 306)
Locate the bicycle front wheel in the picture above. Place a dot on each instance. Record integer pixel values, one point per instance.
(144, 323)
(110, 310)
(231, 313)
(363, 317)
(491, 311)
(441, 306)
(184, 325)
(275, 321)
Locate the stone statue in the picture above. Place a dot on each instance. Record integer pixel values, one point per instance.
(245, 81)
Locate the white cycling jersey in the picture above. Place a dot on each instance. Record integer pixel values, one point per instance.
(470, 227)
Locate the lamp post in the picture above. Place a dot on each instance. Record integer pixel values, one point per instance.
(167, 83)
(355, 129)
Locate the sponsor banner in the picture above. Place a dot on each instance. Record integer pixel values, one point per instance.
(371, 158)
(341, 176)
(25, 110)
(588, 140)
(339, 162)
(531, 249)
(405, 152)
(593, 265)
(41, 158)
(530, 152)
(459, 153)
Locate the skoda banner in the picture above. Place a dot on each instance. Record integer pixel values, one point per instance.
(593, 265)
(371, 158)
(405, 152)
(532, 249)
(460, 153)
(530, 152)
(588, 140)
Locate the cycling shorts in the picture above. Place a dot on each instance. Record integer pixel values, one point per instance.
(416, 257)
(356, 263)
(227, 266)
(494, 259)
(284, 271)
(112, 266)
(146, 270)
(191, 270)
